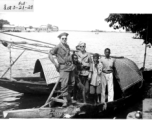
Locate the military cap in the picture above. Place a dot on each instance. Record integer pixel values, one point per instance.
(63, 34)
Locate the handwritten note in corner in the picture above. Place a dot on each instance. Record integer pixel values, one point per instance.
(16, 5)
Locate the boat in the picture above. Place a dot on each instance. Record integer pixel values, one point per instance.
(28, 85)
(128, 82)
(34, 85)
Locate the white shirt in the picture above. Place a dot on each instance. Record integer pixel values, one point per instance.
(108, 63)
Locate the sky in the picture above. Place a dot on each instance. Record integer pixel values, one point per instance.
(75, 14)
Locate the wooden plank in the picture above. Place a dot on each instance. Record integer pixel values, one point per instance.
(147, 109)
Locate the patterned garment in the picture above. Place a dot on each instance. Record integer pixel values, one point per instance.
(96, 74)
(85, 60)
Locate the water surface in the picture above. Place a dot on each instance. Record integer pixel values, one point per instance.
(121, 44)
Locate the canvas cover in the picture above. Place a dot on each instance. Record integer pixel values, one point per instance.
(47, 70)
(127, 73)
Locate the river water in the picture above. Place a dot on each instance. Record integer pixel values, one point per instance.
(121, 44)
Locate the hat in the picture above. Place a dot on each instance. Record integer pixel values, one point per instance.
(63, 34)
(81, 44)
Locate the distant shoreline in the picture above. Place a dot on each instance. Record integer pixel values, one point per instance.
(97, 32)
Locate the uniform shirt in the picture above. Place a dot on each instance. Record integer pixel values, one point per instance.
(96, 74)
(84, 58)
(62, 53)
(108, 63)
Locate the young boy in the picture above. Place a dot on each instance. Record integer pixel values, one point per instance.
(95, 83)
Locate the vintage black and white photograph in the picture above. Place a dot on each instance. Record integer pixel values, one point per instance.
(75, 59)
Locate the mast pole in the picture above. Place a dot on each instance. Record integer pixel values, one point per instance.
(10, 62)
(144, 63)
(145, 54)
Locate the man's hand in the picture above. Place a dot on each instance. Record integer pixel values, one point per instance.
(89, 76)
(79, 59)
(107, 71)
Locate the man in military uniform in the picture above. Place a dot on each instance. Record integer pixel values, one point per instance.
(64, 66)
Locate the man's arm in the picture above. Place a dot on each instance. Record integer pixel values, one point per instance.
(90, 72)
(89, 60)
(52, 60)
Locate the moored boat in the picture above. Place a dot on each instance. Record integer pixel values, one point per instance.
(34, 85)
(128, 81)
(28, 85)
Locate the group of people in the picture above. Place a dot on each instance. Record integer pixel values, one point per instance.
(82, 73)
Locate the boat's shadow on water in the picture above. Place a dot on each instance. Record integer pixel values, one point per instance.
(30, 101)
(23, 101)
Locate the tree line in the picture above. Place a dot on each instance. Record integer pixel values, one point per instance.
(140, 24)
(2, 22)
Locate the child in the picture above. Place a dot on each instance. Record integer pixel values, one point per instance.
(95, 83)
(78, 85)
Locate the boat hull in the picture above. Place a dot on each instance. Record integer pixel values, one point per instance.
(28, 86)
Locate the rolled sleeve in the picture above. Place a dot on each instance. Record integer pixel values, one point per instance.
(54, 50)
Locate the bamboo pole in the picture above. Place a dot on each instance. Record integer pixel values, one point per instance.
(36, 50)
(51, 44)
(146, 46)
(12, 64)
(145, 54)
(28, 39)
(51, 94)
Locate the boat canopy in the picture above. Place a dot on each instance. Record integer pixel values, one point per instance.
(127, 75)
(47, 70)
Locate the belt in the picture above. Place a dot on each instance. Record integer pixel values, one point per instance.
(85, 68)
(108, 72)
(61, 63)
(65, 63)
